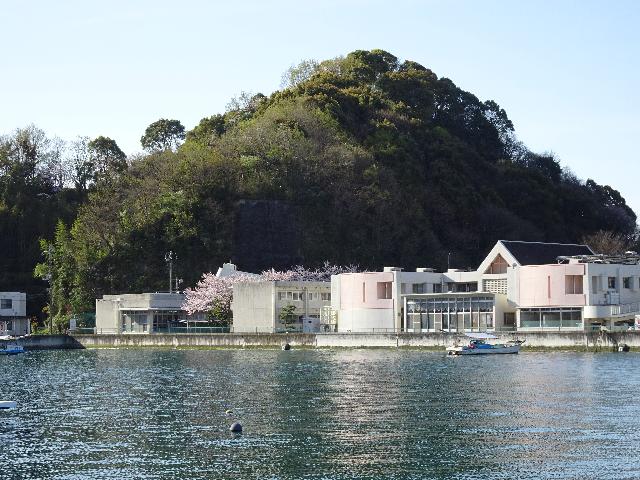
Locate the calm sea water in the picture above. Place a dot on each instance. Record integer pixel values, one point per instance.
(344, 414)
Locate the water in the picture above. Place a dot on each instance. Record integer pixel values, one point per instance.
(343, 414)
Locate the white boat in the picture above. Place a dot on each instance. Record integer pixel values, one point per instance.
(7, 404)
(11, 349)
(478, 345)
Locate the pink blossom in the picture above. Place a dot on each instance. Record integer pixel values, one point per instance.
(213, 291)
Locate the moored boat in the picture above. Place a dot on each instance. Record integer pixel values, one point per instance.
(478, 345)
(11, 349)
(7, 404)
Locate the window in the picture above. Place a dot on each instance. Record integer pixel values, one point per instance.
(384, 290)
(325, 297)
(627, 282)
(594, 284)
(6, 303)
(404, 288)
(573, 284)
(282, 295)
(8, 326)
(289, 295)
(437, 288)
(611, 283)
(364, 296)
(499, 265)
(419, 288)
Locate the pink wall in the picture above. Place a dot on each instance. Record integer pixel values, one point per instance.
(351, 290)
(544, 285)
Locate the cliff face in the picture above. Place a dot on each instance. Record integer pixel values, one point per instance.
(266, 235)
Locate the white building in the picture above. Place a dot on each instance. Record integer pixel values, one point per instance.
(524, 285)
(13, 314)
(258, 306)
(141, 313)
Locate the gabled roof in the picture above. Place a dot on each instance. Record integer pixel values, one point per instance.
(538, 253)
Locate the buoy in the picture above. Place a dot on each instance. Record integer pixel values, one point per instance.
(623, 347)
(7, 404)
(228, 411)
(235, 427)
(286, 346)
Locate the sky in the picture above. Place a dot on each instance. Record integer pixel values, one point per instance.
(566, 72)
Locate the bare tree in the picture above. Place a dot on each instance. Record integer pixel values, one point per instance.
(608, 242)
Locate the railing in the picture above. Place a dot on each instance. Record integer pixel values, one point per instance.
(625, 308)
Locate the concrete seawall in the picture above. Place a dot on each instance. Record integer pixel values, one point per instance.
(536, 340)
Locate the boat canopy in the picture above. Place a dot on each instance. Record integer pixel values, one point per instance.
(480, 335)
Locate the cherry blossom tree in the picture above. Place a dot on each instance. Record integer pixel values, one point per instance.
(214, 294)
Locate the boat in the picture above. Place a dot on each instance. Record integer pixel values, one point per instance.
(7, 404)
(478, 345)
(11, 349)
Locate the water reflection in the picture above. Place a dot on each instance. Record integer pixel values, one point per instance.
(319, 414)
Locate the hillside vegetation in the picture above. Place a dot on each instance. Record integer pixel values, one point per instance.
(361, 159)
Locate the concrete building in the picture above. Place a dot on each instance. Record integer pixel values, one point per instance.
(528, 286)
(141, 313)
(257, 306)
(13, 314)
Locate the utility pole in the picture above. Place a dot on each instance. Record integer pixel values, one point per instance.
(170, 257)
(50, 266)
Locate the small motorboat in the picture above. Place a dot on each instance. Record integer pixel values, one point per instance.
(478, 345)
(11, 349)
(7, 404)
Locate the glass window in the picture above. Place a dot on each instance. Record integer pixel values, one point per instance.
(572, 284)
(289, 295)
(594, 284)
(551, 319)
(384, 290)
(437, 288)
(611, 282)
(282, 295)
(626, 282)
(419, 288)
(572, 318)
(6, 303)
(529, 319)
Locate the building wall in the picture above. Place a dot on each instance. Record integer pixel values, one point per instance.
(109, 308)
(544, 285)
(357, 304)
(18, 304)
(256, 306)
(599, 293)
(253, 307)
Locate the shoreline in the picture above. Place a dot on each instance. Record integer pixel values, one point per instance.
(534, 341)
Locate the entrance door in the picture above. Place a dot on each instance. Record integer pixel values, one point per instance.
(509, 320)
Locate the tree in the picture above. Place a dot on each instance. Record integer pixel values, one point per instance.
(297, 74)
(163, 135)
(608, 243)
(287, 315)
(106, 157)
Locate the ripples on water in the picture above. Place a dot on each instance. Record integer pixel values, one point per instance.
(159, 414)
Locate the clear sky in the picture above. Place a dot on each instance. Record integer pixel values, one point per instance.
(565, 71)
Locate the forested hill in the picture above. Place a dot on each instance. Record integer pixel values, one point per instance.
(361, 159)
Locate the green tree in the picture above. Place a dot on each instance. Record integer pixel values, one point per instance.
(106, 157)
(287, 315)
(163, 135)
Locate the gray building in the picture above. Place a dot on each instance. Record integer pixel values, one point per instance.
(257, 306)
(13, 314)
(141, 313)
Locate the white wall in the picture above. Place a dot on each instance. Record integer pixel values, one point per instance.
(18, 304)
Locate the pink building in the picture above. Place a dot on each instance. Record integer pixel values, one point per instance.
(526, 286)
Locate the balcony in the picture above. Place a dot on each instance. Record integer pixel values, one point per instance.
(612, 311)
